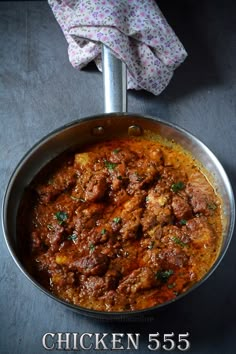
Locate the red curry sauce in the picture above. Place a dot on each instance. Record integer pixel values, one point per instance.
(121, 225)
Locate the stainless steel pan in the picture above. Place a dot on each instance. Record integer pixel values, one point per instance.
(115, 122)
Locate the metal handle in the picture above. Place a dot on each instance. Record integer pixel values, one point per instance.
(114, 82)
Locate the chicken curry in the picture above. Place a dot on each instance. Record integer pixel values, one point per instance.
(121, 225)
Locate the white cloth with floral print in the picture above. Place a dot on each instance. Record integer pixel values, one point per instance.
(135, 30)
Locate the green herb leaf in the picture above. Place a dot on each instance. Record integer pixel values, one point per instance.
(178, 241)
(164, 275)
(110, 165)
(61, 217)
(91, 247)
(176, 187)
(72, 237)
(183, 222)
(103, 231)
(117, 220)
(116, 151)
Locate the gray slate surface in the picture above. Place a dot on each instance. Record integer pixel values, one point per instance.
(40, 91)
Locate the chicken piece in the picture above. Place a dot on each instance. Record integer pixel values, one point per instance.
(158, 210)
(98, 286)
(96, 187)
(120, 155)
(94, 264)
(142, 174)
(85, 217)
(181, 207)
(172, 257)
(58, 183)
(201, 194)
(140, 279)
(56, 237)
(128, 222)
(200, 232)
(131, 224)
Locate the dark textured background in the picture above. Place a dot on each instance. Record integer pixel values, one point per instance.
(40, 91)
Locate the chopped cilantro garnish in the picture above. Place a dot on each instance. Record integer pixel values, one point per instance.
(116, 151)
(61, 217)
(176, 187)
(103, 231)
(117, 220)
(91, 247)
(72, 237)
(164, 275)
(110, 165)
(183, 222)
(178, 241)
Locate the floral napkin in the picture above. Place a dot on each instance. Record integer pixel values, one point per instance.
(135, 30)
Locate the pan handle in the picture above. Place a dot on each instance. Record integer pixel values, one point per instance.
(114, 82)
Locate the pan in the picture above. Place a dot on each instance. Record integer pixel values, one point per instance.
(115, 122)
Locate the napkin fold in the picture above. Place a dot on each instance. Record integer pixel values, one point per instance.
(135, 30)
